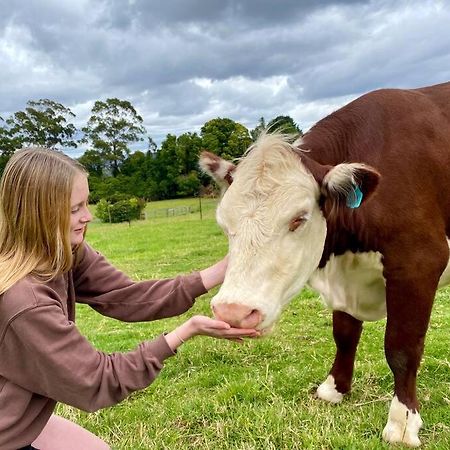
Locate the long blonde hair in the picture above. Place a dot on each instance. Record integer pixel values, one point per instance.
(35, 192)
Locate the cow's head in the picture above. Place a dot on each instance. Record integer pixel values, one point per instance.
(272, 211)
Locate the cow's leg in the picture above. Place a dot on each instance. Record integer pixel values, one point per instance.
(346, 333)
(404, 341)
(409, 299)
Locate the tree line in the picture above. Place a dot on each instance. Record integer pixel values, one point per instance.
(114, 127)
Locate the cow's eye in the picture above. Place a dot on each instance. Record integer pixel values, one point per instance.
(296, 222)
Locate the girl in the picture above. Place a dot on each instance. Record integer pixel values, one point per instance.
(45, 267)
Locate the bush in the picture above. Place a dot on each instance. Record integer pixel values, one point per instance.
(121, 211)
(188, 185)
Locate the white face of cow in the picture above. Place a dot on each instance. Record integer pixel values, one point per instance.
(275, 227)
(276, 233)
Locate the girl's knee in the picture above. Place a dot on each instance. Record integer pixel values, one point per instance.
(62, 433)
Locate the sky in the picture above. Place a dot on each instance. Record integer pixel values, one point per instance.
(184, 62)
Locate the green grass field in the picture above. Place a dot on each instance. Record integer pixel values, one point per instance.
(219, 395)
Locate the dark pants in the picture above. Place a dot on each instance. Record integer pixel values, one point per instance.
(28, 447)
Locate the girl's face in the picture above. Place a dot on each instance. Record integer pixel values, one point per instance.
(79, 212)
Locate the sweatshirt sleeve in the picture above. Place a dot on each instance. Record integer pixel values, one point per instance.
(45, 353)
(113, 294)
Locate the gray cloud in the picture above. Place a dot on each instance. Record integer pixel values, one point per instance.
(182, 62)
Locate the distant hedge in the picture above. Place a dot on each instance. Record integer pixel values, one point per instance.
(120, 211)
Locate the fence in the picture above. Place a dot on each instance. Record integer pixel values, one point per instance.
(169, 212)
(199, 208)
(204, 206)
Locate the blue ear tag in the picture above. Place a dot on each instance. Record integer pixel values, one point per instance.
(354, 198)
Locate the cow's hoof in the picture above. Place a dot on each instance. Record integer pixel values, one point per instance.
(327, 391)
(403, 425)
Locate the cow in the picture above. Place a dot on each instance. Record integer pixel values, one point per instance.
(358, 208)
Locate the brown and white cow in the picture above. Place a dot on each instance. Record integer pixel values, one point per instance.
(359, 208)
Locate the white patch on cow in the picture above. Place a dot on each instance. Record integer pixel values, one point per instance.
(403, 425)
(445, 277)
(353, 283)
(327, 391)
(268, 263)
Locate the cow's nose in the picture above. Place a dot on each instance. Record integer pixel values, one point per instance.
(238, 316)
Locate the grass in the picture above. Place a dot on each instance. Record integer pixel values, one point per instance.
(219, 395)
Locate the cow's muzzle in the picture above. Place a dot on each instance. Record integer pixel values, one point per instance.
(238, 316)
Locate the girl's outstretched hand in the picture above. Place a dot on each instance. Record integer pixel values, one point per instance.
(205, 326)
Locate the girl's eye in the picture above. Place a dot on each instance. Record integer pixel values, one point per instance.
(74, 210)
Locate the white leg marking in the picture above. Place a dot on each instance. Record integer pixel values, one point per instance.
(403, 425)
(327, 391)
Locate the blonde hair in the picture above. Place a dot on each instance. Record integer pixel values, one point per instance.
(35, 192)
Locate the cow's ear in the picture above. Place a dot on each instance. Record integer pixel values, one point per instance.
(351, 183)
(219, 169)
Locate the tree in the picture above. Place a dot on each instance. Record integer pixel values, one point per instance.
(258, 129)
(114, 125)
(165, 170)
(152, 147)
(134, 164)
(174, 169)
(284, 124)
(44, 123)
(225, 137)
(136, 169)
(93, 162)
(8, 144)
(187, 150)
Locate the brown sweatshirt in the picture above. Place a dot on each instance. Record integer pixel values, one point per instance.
(44, 359)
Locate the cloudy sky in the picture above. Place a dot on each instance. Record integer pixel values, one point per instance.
(184, 62)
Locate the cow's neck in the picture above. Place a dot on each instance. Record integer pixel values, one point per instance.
(340, 240)
(345, 136)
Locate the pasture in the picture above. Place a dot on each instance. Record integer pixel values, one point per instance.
(219, 395)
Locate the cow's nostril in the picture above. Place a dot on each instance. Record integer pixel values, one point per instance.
(252, 320)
